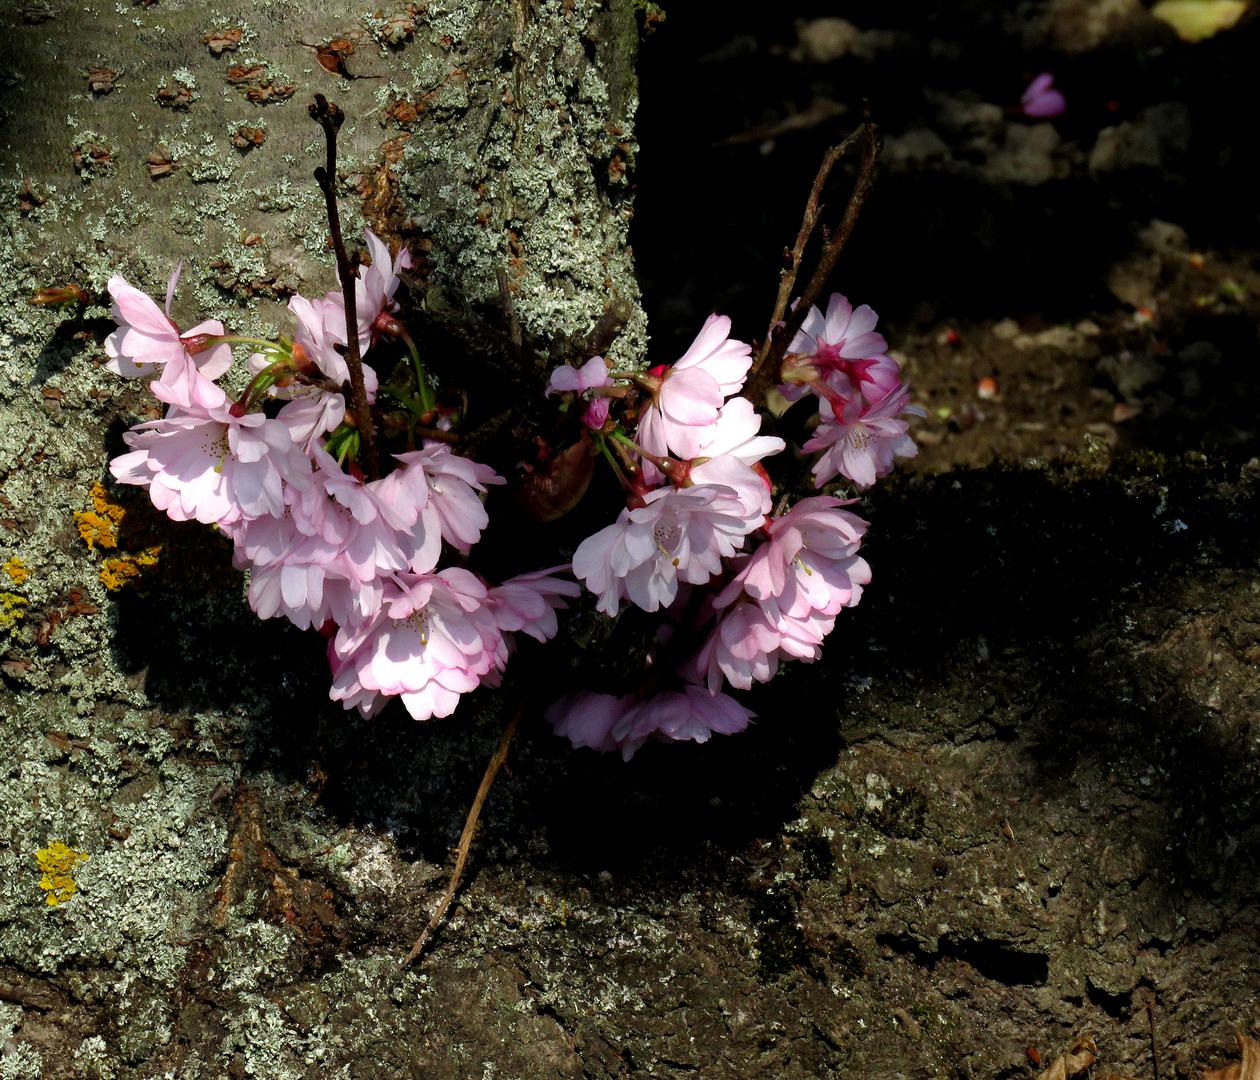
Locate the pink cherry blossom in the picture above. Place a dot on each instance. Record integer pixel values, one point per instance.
(147, 338)
(454, 483)
(373, 294)
(1040, 100)
(784, 598)
(749, 641)
(863, 441)
(528, 602)
(434, 639)
(321, 326)
(328, 555)
(810, 539)
(681, 534)
(374, 529)
(586, 718)
(592, 374)
(674, 715)
(207, 464)
(686, 403)
(311, 415)
(731, 454)
(304, 591)
(830, 355)
(566, 379)
(743, 647)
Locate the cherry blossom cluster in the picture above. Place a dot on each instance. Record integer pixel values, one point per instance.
(740, 589)
(842, 361)
(380, 561)
(360, 559)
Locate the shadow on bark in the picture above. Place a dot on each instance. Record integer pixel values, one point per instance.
(994, 601)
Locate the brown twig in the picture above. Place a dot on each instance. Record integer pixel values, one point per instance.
(1150, 1019)
(515, 336)
(330, 118)
(470, 826)
(783, 330)
(437, 434)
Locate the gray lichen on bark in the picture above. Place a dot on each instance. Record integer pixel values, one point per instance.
(517, 161)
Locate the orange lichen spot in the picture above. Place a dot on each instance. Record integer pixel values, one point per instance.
(17, 571)
(115, 573)
(56, 864)
(12, 612)
(99, 526)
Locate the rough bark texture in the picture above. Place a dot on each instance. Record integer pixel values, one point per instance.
(1015, 803)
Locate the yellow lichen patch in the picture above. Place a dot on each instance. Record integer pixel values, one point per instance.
(57, 863)
(17, 571)
(99, 526)
(12, 611)
(1198, 20)
(115, 573)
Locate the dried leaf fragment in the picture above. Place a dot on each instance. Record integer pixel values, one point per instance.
(1247, 1069)
(226, 40)
(402, 111)
(101, 80)
(91, 158)
(28, 197)
(395, 29)
(241, 73)
(1074, 1062)
(246, 137)
(15, 666)
(268, 92)
(160, 162)
(332, 55)
(174, 95)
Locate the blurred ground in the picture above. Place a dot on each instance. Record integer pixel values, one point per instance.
(1101, 267)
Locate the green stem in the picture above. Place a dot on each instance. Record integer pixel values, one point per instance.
(229, 339)
(665, 464)
(422, 378)
(602, 443)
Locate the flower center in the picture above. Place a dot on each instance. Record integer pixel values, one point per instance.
(666, 535)
(421, 619)
(216, 446)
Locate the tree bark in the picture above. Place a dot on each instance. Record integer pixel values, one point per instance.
(1012, 802)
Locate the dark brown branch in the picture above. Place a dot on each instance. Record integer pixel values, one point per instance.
(783, 330)
(610, 324)
(330, 117)
(470, 827)
(509, 309)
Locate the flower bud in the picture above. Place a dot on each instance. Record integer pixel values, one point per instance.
(300, 360)
(65, 296)
(385, 323)
(198, 343)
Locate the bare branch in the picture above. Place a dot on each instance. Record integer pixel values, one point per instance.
(330, 117)
(783, 330)
(470, 827)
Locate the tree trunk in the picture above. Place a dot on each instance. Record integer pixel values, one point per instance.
(1014, 801)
